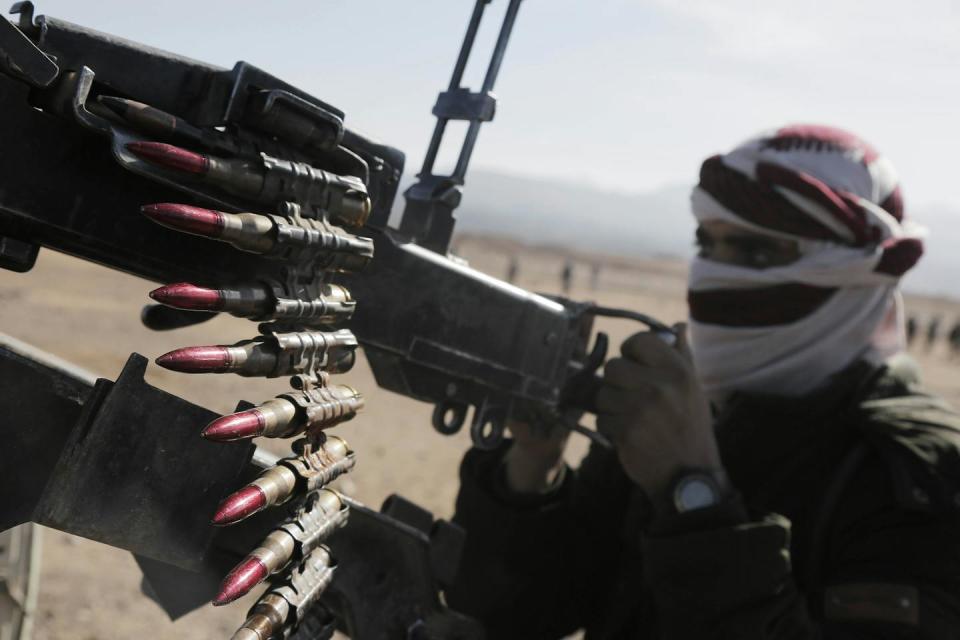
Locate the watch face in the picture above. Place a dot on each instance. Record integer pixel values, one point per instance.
(695, 492)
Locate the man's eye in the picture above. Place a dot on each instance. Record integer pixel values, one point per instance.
(759, 258)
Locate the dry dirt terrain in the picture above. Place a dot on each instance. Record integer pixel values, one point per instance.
(89, 315)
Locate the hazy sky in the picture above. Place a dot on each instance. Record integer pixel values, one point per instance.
(630, 94)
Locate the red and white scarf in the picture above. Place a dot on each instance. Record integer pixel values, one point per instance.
(785, 330)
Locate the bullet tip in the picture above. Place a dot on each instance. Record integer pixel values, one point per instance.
(188, 296)
(239, 505)
(212, 359)
(170, 157)
(241, 579)
(182, 217)
(237, 426)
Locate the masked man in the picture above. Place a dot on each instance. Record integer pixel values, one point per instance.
(777, 473)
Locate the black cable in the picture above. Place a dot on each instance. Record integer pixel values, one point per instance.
(611, 312)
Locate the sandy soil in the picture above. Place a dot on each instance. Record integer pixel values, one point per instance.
(89, 315)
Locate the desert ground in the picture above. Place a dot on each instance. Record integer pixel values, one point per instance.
(89, 315)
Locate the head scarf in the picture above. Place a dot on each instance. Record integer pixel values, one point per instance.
(786, 329)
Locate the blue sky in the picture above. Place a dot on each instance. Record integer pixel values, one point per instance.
(625, 94)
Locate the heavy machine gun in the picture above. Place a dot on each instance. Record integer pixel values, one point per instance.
(258, 200)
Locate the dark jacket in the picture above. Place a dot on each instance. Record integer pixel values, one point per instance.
(851, 531)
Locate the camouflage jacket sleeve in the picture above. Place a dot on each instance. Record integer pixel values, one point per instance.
(888, 572)
(538, 567)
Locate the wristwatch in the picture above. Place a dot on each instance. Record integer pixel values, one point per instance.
(698, 489)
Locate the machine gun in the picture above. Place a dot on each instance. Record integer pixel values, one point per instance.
(258, 201)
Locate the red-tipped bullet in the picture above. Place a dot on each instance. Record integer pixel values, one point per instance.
(241, 579)
(239, 505)
(189, 296)
(245, 424)
(182, 217)
(197, 360)
(170, 157)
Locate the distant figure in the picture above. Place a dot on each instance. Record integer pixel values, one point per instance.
(566, 276)
(513, 268)
(954, 338)
(911, 329)
(594, 276)
(933, 329)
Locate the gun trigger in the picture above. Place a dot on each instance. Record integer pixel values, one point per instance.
(598, 355)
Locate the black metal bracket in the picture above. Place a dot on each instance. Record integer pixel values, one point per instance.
(266, 103)
(462, 104)
(19, 56)
(428, 216)
(134, 474)
(17, 255)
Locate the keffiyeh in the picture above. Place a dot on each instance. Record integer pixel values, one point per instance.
(786, 329)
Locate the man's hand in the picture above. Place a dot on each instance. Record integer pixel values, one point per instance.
(535, 458)
(652, 407)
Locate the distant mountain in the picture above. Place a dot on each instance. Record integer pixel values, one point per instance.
(547, 211)
(553, 212)
(656, 223)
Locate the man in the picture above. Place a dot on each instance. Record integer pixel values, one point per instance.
(777, 476)
(954, 340)
(912, 327)
(933, 332)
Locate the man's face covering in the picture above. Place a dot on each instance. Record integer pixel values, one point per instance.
(802, 245)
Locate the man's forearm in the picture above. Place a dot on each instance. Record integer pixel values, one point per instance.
(528, 473)
(509, 577)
